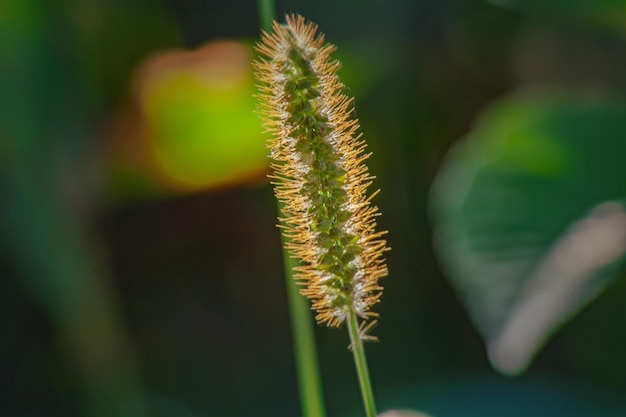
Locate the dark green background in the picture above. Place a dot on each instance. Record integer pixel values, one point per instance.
(174, 304)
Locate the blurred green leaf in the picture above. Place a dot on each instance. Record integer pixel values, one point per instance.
(529, 216)
(44, 113)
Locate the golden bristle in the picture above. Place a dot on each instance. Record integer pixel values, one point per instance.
(319, 173)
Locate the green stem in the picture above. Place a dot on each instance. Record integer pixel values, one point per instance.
(303, 336)
(267, 13)
(309, 382)
(311, 397)
(361, 366)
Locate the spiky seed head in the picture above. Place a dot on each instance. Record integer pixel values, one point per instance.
(319, 174)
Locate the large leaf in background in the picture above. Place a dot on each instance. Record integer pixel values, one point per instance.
(529, 216)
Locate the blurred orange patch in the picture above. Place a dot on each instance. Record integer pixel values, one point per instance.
(191, 123)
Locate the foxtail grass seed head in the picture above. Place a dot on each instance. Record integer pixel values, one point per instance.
(319, 174)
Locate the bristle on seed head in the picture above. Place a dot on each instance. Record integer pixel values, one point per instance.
(319, 174)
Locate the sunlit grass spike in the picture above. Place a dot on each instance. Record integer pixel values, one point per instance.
(319, 173)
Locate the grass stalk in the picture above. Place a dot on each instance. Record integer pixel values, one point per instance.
(303, 336)
(309, 383)
(267, 14)
(320, 179)
(361, 366)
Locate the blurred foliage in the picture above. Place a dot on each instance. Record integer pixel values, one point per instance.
(195, 124)
(512, 216)
(204, 123)
(138, 281)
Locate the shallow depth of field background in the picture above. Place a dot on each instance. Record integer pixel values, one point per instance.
(141, 267)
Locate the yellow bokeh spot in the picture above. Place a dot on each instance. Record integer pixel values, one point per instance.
(200, 117)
